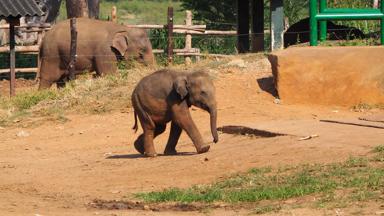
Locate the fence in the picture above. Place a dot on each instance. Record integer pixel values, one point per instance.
(324, 14)
(188, 29)
(30, 49)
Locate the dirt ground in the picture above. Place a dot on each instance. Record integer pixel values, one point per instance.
(59, 168)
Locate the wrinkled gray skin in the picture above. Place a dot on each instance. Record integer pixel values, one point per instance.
(165, 96)
(100, 44)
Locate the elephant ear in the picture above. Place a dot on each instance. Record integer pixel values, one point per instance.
(120, 43)
(180, 85)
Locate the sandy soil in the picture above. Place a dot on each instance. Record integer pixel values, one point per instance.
(59, 168)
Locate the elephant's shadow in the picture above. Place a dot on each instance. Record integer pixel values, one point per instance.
(135, 156)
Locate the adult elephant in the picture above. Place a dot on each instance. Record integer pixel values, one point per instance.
(100, 44)
(299, 32)
(165, 96)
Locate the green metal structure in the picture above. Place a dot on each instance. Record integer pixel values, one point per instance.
(323, 14)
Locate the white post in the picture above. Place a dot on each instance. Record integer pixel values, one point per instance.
(114, 14)
(188, 37)
(375, 3)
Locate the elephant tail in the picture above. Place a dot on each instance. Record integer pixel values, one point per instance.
(140, 111)
(135, 127)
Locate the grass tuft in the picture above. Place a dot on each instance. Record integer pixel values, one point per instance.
(27, 100)
(378, 149)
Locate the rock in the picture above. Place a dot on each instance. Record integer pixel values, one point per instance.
(277, 101)
(146, 207)
(343, 76)
(23, 134)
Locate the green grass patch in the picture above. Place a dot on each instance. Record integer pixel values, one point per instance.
(83, 95)
(361, 107)
(137, 11)
(365, 180)
(379, 149)
(27, 100)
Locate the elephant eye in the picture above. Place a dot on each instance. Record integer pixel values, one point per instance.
(204, 93)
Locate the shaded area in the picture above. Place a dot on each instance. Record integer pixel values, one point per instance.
(267, 84)
(134, 156)
(246, 131)
(299, 32)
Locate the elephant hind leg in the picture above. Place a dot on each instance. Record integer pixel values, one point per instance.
(139, 144)
(174, 136)
(144, 143)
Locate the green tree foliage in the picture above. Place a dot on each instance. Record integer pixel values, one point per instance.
(217, 14)
(221, 14)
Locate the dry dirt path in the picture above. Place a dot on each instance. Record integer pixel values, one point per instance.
(60, 167)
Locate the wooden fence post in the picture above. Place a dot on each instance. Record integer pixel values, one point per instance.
(72, 61)
(12, 56)
(170, 35)
(114, 14)
(188, 37)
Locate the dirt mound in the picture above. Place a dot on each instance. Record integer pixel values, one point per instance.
(329, 75)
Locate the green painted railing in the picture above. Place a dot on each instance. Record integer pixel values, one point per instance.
(323, 14)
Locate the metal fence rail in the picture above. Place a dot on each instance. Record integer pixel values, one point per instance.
(322, 14)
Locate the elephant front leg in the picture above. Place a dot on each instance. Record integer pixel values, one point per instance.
(184, 120)
(174, 136)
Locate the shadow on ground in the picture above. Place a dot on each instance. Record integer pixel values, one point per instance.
(267, 84)
(135, 156)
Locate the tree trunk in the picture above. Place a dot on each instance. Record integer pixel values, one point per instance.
(93, 8)
(77, 8)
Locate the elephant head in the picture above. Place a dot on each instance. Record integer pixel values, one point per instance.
(133, 44)
(197, 89)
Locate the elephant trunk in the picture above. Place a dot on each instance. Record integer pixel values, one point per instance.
(213, 119)
(149, 59)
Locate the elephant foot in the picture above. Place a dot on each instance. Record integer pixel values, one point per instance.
(148, 154)
(170, 152)
(139, 146)
(203, 149)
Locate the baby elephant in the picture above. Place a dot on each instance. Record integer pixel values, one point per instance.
(165, 96)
